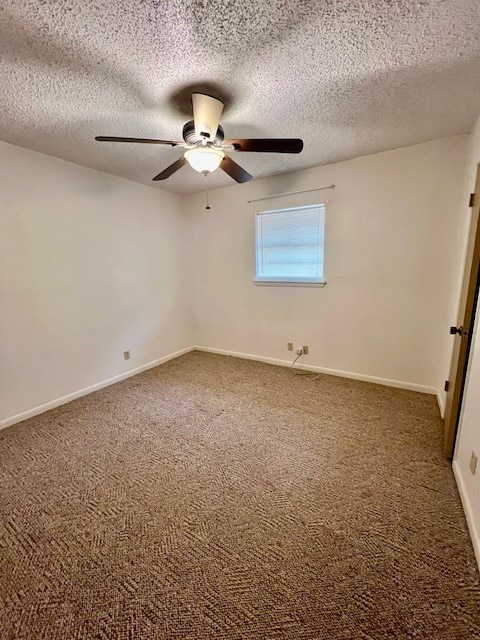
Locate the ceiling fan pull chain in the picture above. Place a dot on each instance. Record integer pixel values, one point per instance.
(205, 173)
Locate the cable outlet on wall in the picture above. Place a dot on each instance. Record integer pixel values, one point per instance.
(126, 355)
(473, 462)
(302, 350)
(290, 346)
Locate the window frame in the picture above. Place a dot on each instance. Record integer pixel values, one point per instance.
(290, 282)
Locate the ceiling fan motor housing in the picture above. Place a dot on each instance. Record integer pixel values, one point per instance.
(191, 138)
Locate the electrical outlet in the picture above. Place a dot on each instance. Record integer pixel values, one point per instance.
(290, 346)
(473, 462)
(299, 351)
(305, 349)
(126, 355)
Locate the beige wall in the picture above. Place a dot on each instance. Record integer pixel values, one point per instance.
(468, 439)
(90, 265)
(392, 246)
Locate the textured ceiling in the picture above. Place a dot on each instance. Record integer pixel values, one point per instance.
(349, 77)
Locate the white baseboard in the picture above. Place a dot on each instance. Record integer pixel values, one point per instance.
(411, 386)
(441, 403)
(7, 422)
(247, 356)
(468, 510)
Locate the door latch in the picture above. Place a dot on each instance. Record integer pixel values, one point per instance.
(460, 330)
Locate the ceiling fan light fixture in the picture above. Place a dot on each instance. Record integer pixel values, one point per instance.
(204, 158)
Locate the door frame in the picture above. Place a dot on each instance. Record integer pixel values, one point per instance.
(465, 323)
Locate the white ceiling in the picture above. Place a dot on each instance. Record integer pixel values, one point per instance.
(349, 77)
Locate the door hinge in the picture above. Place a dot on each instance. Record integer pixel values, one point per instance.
(472, 200)
(447, 384)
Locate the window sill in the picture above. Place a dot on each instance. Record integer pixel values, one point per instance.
(287, 283)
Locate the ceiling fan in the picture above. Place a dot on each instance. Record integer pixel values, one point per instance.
(203, 139)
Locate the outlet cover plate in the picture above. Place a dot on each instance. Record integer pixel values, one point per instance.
(126, 355)
(290, 346)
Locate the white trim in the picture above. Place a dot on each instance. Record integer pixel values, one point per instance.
(441, 403)
(467, 508)
(20, 417)
(287, 283)
(411, 386)
(246, 356)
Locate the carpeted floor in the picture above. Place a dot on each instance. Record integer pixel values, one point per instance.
(216, 498)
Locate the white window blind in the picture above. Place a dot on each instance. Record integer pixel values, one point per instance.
(289, 244)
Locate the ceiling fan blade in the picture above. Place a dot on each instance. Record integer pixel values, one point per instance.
(234, 170)
(206, 115)
(166, 173)
(141, 140)
(267, 145)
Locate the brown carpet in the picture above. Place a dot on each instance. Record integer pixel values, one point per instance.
(225, 499)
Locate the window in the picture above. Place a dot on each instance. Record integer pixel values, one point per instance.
(289, 245)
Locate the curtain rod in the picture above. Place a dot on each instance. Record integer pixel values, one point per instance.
(291, 193)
